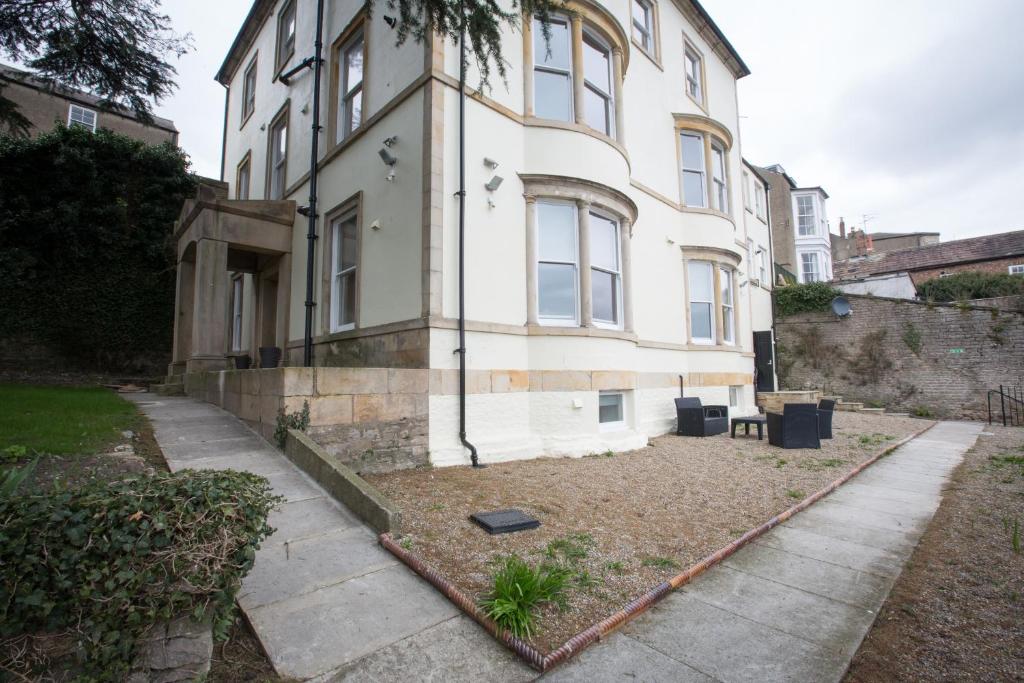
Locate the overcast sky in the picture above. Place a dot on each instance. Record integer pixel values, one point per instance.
(909, 111)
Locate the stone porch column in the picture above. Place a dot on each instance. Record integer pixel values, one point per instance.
(626, 255)
(209, 319)
(184, 302)
(586, 289)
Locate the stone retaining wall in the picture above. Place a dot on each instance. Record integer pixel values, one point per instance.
(905, 355)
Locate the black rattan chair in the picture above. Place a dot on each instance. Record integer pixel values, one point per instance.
(825, 410)
(796, 427)
(694, 419)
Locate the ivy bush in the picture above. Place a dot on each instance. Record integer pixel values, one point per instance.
(85, 232)
(106, 561)
(966, 286)
(804, 298)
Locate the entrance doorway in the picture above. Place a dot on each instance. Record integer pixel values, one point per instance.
(764, 363)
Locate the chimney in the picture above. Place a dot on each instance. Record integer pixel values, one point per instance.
(842, 228)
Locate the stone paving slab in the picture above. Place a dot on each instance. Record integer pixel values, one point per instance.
(622, 658)
(828, 524)
(849, 554)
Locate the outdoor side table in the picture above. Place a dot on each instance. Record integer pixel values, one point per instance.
(758, 420)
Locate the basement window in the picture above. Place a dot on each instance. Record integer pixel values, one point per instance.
(735, 392)
(611, 410)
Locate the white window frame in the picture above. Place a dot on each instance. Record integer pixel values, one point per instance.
(801, 215)
(575, 263)
(609, 102)
(81, 120)
(759, 200)
(616, 274)
(708, 341)
(761, 265)
(728, 307)
(1016, 269)
(237, 292)
(567, 72)
(701, 170)
(693, 68)
(349, 91)
(816, 260)
(746, 191)
(338, 274)
(720, 184)
(643, 31)
(615, 425)
(735, 395)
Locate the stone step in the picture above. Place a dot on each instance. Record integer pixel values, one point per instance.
(168, 389)
(873, 411)
(898, 414)
(850, 407)
(174, 379)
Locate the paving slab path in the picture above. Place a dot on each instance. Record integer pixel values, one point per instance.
(795, 604)
(329, 604)
(324, 599)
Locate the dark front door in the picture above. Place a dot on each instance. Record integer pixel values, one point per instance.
(764, 361)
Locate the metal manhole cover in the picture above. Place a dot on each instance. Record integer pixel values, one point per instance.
(504, 521)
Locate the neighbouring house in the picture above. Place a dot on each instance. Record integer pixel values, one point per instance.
(860, 243)
(876, 272)
(617, 249)
(800, 231)
(45, 105)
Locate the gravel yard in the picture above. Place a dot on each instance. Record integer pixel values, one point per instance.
(624, 522)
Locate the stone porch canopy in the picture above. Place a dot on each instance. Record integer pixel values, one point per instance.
(216, 236)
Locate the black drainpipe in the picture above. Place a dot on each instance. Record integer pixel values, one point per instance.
(314, 153)
(462, 237)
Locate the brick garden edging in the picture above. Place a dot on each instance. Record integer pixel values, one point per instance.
(635, 607)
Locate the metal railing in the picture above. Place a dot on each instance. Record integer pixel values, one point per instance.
(1011, 404)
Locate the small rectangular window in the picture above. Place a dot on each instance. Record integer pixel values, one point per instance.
(611, 410)
(702, 301)
(344, 262)
(759, 200)
(597, 85)
(809, 267)
(243, 178)
(1017, 269)
(552, 71)
(692, 65)
(694, 169)
(278, 157)
(762, 265)
(718, 177)
(82, 118)
(285, 34)
(350, 104)
(237, 287)
(735, 392)
(249, 90)
(605, 278)
(805, 215)
(557, 264)
(728, 321)
(643, 25)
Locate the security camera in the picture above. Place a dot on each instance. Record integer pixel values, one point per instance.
(387, 157)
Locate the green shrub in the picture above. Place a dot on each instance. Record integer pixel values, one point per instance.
(106, 561)
(966, 286)
(297, 420)
(805, 298)
(912, 338)
(519, 589)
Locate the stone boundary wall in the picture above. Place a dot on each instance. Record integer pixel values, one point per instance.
(905, 355)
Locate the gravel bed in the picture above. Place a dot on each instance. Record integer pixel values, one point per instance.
(641, 516)
(956, 612)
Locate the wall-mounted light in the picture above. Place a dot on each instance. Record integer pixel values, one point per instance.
(490, 163)
(390, 21)
(387, 157)
(390, 142)
(494, 183)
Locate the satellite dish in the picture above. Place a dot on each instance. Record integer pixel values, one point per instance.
(841, 306)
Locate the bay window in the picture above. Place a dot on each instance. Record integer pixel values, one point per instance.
(552, 70)
(805, 215)
(809, 268)
(557, 265)
(721, 189)
(597, 82)
(694, 169)
(350, 87)
(702, 301)
(605, 276)
(344, 262)
(728, 306)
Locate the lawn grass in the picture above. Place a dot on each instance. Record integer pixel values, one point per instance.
(60, 420)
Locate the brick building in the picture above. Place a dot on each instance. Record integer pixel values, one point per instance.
(45, 105)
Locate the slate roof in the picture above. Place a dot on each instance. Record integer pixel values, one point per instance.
(986, 248)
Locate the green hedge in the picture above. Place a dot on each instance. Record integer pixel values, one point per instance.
(966, 286)
(106, 561)
(805, 298)
(85, 232)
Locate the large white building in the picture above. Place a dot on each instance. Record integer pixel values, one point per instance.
(616, 244)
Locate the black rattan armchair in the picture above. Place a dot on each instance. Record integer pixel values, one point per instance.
(796, 427)
(825, 410)
(694, 419)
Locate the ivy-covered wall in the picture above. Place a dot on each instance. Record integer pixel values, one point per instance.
(937, 359)
(86, 257)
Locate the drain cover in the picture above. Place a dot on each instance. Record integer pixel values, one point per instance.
(504, 521)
